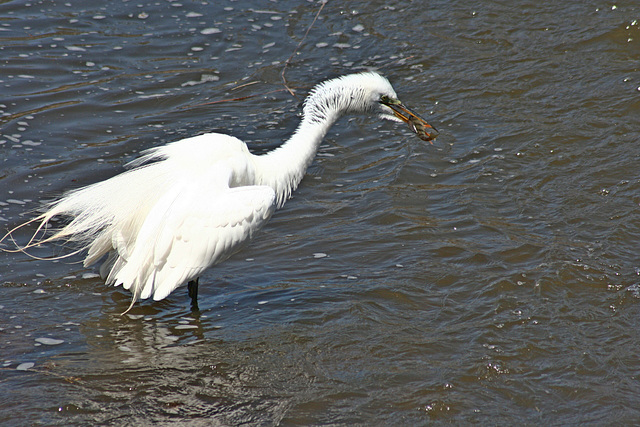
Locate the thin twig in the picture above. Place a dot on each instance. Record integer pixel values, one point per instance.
(288, 61)
(240, 98)
(46, 371)
(284, 69)
(245, 85)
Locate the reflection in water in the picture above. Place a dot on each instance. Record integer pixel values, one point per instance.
(180, 366)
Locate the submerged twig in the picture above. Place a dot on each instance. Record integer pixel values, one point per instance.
(282, 74)
(288, 61)
(240, 98)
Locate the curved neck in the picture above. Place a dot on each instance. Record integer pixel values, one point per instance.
(283, 168)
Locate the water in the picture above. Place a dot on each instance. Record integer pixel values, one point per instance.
(490, 278)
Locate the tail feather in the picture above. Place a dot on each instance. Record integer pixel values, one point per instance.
(100, 219)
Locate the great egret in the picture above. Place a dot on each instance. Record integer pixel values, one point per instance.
(190, 204)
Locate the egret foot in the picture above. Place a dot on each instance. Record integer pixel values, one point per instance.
(192, 287)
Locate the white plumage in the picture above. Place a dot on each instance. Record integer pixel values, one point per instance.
(188, 205)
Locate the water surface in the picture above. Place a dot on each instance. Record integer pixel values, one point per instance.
(490, 278)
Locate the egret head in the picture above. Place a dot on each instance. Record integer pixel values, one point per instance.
(382, 99)
(364, 92)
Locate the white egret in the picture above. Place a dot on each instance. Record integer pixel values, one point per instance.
(190, 204)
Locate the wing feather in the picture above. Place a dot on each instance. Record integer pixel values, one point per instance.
(189, 231)
(215, 228)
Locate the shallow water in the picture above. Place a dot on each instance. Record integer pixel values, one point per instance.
(491, 277)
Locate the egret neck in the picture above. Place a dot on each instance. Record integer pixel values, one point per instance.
(283, 168)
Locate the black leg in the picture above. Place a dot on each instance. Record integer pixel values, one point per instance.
(192, 287)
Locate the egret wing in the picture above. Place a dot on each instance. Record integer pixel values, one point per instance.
(189, 231)
(209, 235)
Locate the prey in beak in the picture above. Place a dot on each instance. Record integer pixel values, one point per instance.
(417, 124)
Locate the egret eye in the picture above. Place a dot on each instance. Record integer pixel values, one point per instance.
(387, 100)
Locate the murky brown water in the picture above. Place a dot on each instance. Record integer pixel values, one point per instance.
(491, 278)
